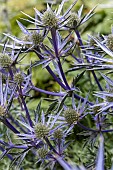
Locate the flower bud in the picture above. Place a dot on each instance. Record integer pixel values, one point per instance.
(41, 130)
(71, 116)
(49, 19)
(42, 153)
(5, 60)
(58, 134)
(109, 42)
(36, 38)
(73, 20)
(18, 78)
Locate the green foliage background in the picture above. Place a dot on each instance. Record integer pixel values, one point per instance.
(101, 22)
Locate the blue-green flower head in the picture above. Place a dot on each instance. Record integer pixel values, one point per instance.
(71, 116)
(58, 134)
(73, 20)
(36, 38)
(42, 153)
(18, 78)
(50, 19)
(5, 60)
(41, 130)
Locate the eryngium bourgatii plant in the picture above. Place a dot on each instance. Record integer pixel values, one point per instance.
(75, 109)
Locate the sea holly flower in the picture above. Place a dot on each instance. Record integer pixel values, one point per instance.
(30, 39)
(41, 130)
(5, 61)
(50, 18)
(35, 38)
(71, 116)
(74, 20)
(18, 78)
(42, 153)
(58, 134)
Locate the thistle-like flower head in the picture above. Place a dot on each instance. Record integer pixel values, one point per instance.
(50, 19)
(5, 60)
(42, 153)
(36, 38)
(58, 134)
(33, 39)
(18, 78)
(41, 130)
(73, 20)
(71, 116)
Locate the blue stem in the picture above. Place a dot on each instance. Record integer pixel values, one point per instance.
(16, 123)
(55, 44)
(46, 92)
(8, 155)
(86, 128)
(25, 107)
(50, 145)
(8, 124)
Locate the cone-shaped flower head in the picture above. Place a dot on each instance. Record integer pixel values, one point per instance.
(5, 60)
(41, 130)
(73, 20)
(71, 116)
(36, 38)
(58, 134)
(42, 153)
(49, 18)
(18, 78)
